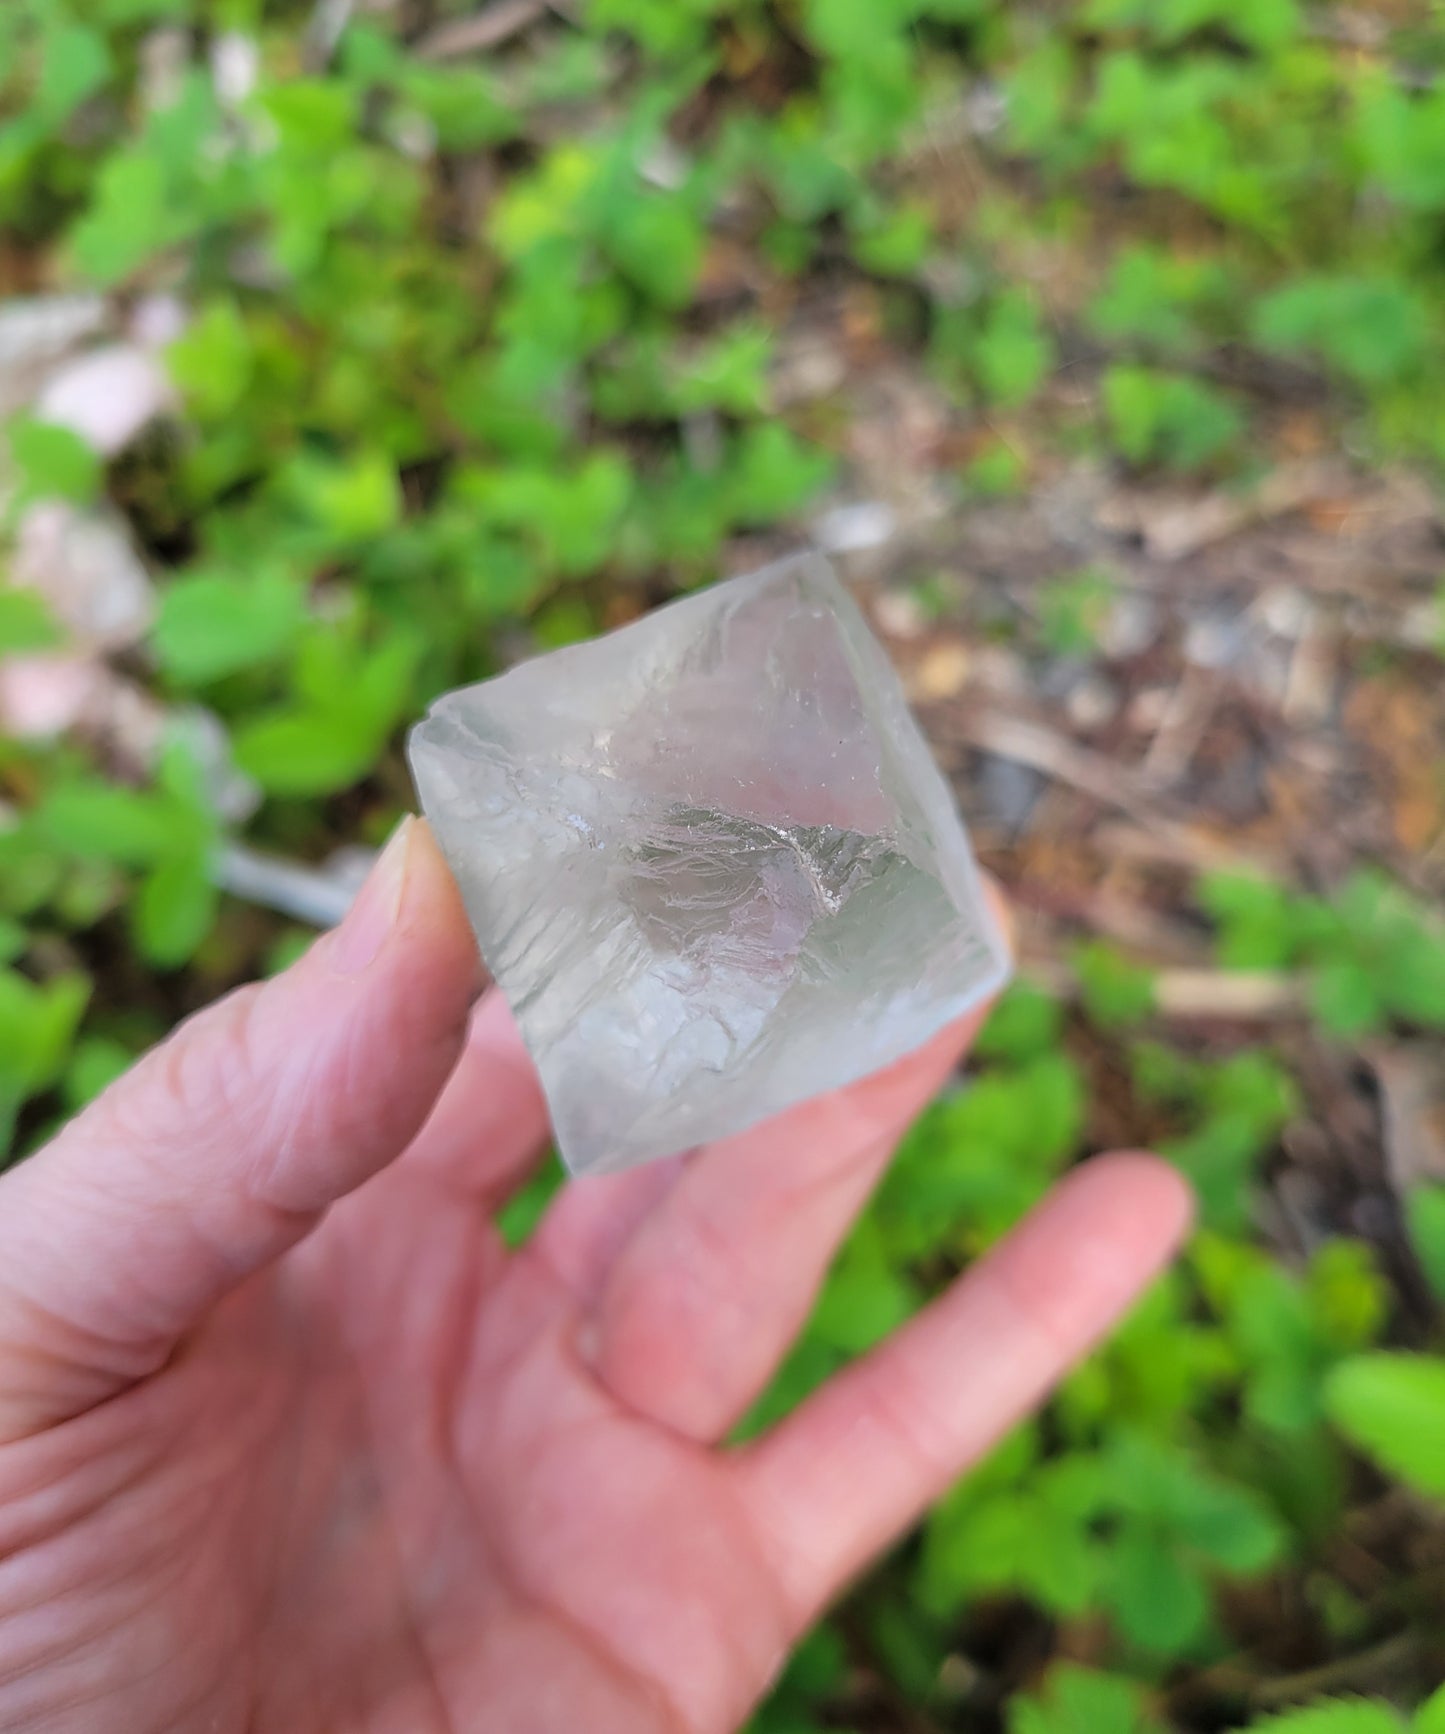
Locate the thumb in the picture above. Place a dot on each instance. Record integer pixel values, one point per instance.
(224, 1146)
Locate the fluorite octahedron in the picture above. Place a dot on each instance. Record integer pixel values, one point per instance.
(710, 862)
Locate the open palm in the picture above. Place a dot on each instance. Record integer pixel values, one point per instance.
(289, 1442)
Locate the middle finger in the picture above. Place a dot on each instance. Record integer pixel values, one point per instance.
(711, 1281)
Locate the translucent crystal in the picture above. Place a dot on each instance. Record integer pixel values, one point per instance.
(710, 862)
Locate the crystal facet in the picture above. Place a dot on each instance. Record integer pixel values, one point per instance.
(710, 862)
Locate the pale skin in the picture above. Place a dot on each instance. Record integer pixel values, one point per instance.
(288, 1442)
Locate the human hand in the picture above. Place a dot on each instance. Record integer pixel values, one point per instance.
(289, 1442)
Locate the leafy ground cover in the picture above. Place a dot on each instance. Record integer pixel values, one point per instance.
(1104, 338)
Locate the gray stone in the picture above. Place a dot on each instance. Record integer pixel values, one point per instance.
(711, 863)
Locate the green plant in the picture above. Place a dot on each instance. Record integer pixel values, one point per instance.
(1393, 1407)
(1168, 418)
(1372, 330)
(1161, 303)
(1355, 1716)
(1425, 1213)
(1079, 1701)
(1373, 953)
(1236, 1107)
(1002, 347)
(1116, 992)
(1137, 1528)
(1072, 611)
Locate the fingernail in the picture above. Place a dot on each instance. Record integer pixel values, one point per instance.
(371, 920)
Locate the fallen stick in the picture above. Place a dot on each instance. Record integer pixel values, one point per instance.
(1250, 995)
(489, 28)
(1042, 749)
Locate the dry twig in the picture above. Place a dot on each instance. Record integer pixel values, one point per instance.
(489, 28)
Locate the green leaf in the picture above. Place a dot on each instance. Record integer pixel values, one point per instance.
(895, 243)
(996, 472)
(1425, 1214)
(910, 1648)
(1024, 1023)
(1073, 610)
(129, 219)
(819, 1662)
(1039, 90)
(526, 1207)
(1252, 1087)
(773, 474)
(1161, 1601)
(1341, 1716)
(864, 1299)
(174, 910)
(211, 624)
(1373, 330)
(1345, 998)
(351, 499)
(1403, 136)
(1265, 27)
(38, 1021)
(302, 752)
(1430, 1717)
(805, 178)
(1349, 1298)
(978, 1548)
(59, 1005)
(95, 1064)
(1050, 1097)
(14, 939)
(808, 1365)
(213, 361)
(463, 104)
(1168, 418)
(846, 31)
(1188, 1506)
(870, 103)
(93, 820)
(142, 11)
(1153, 299)
(663, 27)
(25, 622)
(1393, 1407)
(314, 116)
(76, 64)
(1062, 1577)
(1229, 1526)
(730, 373)
(1013, 353)
(1256, 924)
(1116, 992)
(1077, 1700)
(53, 462)
(657, 243)
(589, 507)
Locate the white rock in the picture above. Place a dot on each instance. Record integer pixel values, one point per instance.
(855, 527)
(43, 696)
(106, 396)
(235, 67)
(158, 321)
(85, 566)
(35, 333)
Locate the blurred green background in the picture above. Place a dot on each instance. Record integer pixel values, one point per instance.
(351, 350)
